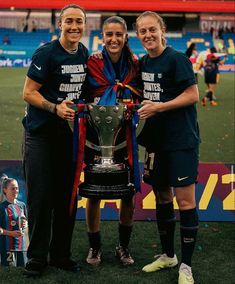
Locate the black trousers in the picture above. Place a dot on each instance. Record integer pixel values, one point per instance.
(48, 170)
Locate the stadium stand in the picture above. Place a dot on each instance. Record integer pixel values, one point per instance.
(30, 39)
(23, 44)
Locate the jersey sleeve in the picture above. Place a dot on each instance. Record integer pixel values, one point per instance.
(24, 209)
(183, 71)
(40, 65)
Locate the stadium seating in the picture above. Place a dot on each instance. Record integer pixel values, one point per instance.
(29, 41)
(33, 39)
(229, 39)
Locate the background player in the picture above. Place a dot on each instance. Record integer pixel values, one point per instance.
(13, 224)
(211, 74)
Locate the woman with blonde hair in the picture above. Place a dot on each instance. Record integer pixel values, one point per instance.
(170, 92)
(13, 224)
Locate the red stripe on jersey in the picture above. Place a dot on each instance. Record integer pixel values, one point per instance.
(10, 218)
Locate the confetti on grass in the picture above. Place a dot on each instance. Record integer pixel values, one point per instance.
(199, 248)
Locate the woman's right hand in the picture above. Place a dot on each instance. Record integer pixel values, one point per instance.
(148, 109)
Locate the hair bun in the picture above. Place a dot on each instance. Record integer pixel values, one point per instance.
(3, 177)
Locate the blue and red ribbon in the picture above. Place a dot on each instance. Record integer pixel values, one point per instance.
(79, 140)
(132, 145)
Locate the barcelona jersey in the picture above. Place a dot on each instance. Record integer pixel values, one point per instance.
(10, 215)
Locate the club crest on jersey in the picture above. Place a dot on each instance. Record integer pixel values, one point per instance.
(13, 223)
(159, 75)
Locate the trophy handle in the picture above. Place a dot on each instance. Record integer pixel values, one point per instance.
(120, 145)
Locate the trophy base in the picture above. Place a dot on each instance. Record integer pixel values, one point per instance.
(106, 192)
(106, 183)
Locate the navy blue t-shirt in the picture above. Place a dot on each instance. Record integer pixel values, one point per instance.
(164, 78)
(61, 74)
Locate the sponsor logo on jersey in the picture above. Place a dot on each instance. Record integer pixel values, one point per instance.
(13, 223)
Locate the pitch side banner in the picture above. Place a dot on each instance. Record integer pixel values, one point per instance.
(208, 21)
(215, 193)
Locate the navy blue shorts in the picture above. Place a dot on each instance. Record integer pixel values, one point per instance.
(176, 168)
(211, 77)
(13, 258)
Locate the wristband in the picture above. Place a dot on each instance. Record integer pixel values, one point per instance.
(1, 231)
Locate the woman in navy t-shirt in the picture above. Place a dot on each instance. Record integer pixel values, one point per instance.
(171, 133)
(53, 83)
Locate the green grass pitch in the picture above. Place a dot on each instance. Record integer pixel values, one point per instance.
(214, 252)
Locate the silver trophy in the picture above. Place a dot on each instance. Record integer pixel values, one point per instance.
(107, 121)
(106, 179)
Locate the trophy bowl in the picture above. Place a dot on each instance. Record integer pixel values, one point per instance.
(104, 178)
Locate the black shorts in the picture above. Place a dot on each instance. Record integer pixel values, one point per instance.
(211, 77)
(176, 168)
(13, 258)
